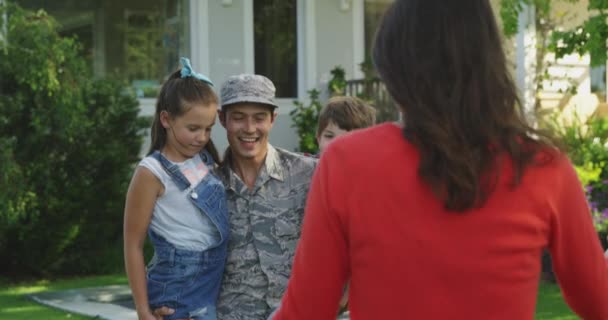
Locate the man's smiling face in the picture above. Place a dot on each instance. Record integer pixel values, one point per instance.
(247, 127)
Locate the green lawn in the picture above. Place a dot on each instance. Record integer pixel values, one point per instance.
(551, 305)
(14, 306)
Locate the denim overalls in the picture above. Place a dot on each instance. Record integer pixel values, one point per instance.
(189, 281)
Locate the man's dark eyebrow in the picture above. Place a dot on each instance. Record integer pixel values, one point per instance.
(240, 113)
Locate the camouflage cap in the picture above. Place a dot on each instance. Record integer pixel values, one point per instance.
(248, 88)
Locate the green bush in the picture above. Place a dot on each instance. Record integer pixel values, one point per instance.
(587, 148)
(305, 121)
(306, 117)
(68, 144)
(337, 84)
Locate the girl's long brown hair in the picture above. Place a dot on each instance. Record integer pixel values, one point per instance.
(443, 63)
(175, 96)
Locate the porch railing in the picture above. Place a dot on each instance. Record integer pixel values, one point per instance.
(374, 91)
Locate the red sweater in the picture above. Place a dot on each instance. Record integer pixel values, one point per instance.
(370, 218)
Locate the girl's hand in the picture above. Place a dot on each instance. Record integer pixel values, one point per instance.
(163, 311)
(146, 315)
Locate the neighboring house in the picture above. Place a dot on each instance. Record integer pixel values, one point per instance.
(572, 87)
(568, 86)
(293, 42)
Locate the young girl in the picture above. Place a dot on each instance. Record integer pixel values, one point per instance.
(175, 197)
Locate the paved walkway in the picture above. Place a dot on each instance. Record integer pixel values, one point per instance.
(109, 302)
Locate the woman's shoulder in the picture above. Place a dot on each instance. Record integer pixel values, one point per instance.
(552, 170)
(379, 141)
(378, 136)
(378, 147)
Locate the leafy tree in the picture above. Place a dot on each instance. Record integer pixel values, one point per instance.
(588, 37)
(67, 145)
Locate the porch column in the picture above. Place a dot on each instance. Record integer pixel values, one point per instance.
(309, 46)
(525, 44)
(358, 11)
(199, 34)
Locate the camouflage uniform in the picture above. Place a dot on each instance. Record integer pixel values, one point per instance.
(264, 229)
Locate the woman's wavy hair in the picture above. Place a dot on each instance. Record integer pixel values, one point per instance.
(443, 63)
(176, 97)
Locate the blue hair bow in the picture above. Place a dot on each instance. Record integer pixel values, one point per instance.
(188, 72)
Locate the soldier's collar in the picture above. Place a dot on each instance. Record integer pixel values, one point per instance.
(273, 164)
(272, 167)
(227, 172)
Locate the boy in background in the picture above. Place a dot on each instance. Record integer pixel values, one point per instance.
(341, 115)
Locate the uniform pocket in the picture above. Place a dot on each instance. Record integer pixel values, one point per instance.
(287, 231)
(284, 227)
(288, 218)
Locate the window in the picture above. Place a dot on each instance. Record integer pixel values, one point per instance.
(133, 39)
(374, 9)
(275, 43)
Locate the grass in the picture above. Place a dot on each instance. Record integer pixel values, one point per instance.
(14, 305)
(551, 305)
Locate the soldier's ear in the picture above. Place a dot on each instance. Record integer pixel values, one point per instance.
(222, 115)
(273, 116)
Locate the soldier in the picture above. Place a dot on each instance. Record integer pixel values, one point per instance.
(266, 189)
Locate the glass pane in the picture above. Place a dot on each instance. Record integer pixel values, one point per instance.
(275, 38)
(374, 9)
(372, 87)
(140, 40)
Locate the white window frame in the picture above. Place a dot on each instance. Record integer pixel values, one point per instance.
(303, 49)
(306, 46)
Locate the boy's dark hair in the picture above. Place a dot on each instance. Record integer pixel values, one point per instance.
(176, 97)
(349, 113)
(443, 63)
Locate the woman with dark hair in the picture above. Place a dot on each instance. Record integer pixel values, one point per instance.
(451, 220)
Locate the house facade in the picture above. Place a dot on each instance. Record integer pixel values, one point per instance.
(293, 42)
